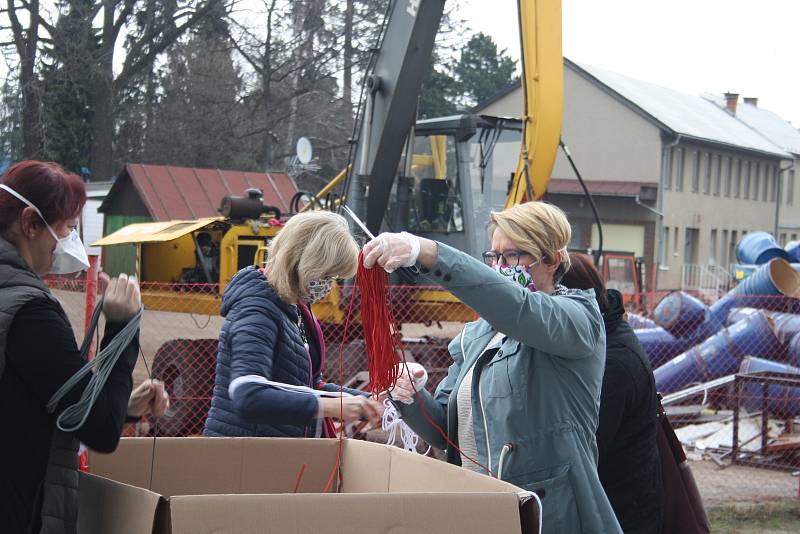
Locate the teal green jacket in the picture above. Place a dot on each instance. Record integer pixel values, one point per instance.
(535, 401)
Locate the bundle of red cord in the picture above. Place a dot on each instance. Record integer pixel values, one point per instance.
(380, 328)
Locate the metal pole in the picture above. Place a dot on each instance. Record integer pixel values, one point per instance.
(737, 392)
(764, 415)
(91, 297)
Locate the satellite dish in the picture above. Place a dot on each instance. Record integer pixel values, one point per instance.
(304, 152)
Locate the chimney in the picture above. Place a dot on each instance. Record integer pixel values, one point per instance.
(730, 102)
(752, 100)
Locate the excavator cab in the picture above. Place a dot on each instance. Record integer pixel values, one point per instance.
(460, 170)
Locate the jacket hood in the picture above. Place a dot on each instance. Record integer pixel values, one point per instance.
(16, 271)
(247, 283)
(615, 313)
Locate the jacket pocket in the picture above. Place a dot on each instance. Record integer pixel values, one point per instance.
(560, 509)
(495, 377)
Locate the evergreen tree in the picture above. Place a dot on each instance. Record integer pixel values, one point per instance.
(482, 70)
(67, 102)
(10, 121)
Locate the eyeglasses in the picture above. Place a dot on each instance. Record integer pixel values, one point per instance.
(507, 260)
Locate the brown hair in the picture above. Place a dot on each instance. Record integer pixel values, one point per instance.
(584, 275)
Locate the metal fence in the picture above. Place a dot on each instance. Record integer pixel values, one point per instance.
(698, 347)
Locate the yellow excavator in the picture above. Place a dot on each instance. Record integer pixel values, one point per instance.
(436, 177)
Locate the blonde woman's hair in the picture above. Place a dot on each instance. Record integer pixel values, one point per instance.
(539, 229)
(312, 245)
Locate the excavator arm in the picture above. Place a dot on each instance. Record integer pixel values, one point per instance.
(543, 97)
(394, 82)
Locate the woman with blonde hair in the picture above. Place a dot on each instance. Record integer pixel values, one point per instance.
(271, 350)
(521, 397)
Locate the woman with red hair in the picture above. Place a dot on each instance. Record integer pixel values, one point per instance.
(40, 206)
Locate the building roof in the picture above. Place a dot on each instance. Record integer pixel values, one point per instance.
(680, 113)
(765, 122)
(171, 193)
(614, 188)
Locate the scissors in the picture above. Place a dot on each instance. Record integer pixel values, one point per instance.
(409, 273)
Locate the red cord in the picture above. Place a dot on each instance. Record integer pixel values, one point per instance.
(384, 351)
(379, 327)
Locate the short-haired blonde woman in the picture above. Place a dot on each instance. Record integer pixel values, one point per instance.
(271, 350)
(522, 394)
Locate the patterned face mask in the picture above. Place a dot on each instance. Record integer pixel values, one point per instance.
(520, 274)
(317, 290)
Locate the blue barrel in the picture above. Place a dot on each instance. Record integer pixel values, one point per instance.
(786, 325)
(639, 321)
(660, 345)
(793, 351)
(739, 314)
(720, 354)
(793, 249)
(756, 248)
(680, 313)
(782, 401)
(774, 278)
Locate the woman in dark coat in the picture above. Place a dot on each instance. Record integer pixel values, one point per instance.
(629, 464)
(40, 206)
(271, 351)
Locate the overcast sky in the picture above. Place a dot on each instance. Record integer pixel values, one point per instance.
(750, 47)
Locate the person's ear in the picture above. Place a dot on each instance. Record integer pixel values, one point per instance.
(30, 222)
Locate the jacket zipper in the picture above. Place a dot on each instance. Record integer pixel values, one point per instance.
(485, 426)
(483, 409)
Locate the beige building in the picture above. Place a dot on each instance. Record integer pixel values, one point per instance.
(677, 180)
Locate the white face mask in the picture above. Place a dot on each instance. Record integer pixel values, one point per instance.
(70, 254)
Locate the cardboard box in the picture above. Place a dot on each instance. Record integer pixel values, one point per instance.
(246, 485)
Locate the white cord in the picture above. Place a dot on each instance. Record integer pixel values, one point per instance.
(391, 421)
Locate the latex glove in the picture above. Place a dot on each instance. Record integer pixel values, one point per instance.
(121, 299)
(403, 391)
(391, 251)
(149, 398)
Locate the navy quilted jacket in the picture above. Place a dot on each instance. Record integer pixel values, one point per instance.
(259, 343)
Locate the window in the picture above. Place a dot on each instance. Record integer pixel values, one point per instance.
(765, 184)
(695, 171)
(728, 176)
(756, 182)
(782, 240)
(678, 160)
(774, 185)
(732, 246)
(691, 245)
(712, 248)
(746, 192)
(717, 175)
(675, 233)
(737, 184)
(723, 248)
(790, 188)
(664, 255)
(708, 160)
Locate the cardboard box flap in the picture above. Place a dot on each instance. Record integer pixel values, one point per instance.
(202, 466)
(365, 467)
(406, 513)
(413, 472)
(107, 506)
